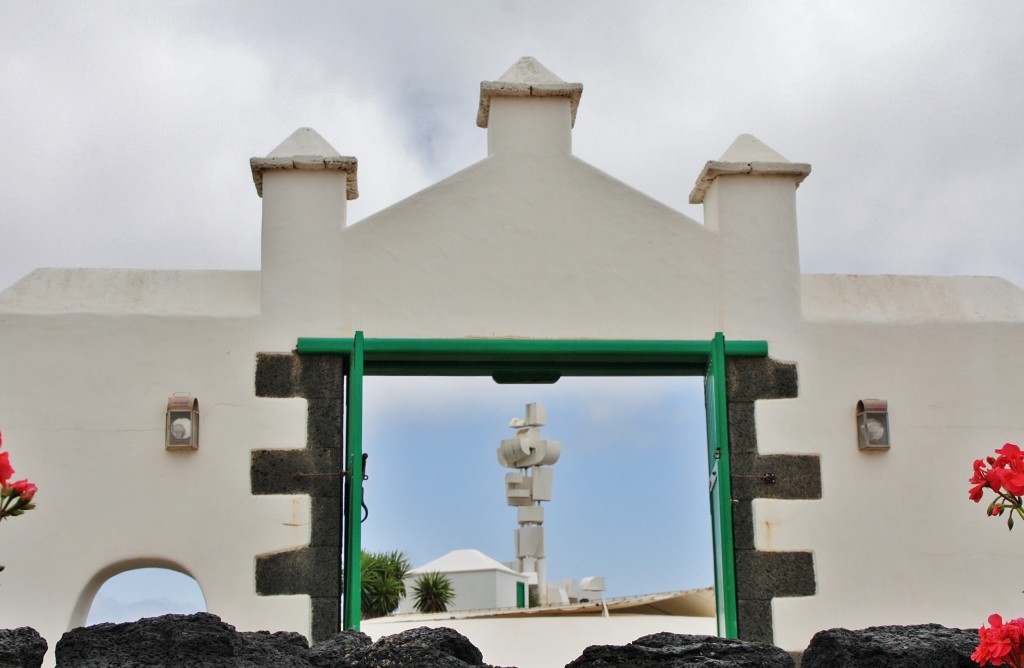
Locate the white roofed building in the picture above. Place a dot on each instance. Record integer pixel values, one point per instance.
(480, 582)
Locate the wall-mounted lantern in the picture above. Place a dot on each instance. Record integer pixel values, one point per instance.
(873, 424)
(182, 429)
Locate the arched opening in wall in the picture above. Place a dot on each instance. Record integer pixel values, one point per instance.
(630, 489)
(131, 594)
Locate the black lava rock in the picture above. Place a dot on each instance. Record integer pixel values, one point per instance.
(200, 639)
(421, 647)
(920, 646)
(673, 650)
(203, 640)
(342, 650)
(21, 648)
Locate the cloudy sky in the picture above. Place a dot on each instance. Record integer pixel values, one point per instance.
(127, 126)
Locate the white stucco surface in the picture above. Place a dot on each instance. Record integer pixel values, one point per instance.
(548, 642)
(895, 539)
(910, 299)
(134, 291)
(89, 358)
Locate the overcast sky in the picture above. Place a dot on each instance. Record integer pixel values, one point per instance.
(126, 127)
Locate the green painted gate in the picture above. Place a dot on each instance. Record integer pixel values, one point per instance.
(720, 489)
(538, 360)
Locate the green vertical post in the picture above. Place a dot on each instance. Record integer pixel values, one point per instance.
(720, 489)
(352, 544)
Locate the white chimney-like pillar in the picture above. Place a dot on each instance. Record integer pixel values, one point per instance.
(528, 110)
(305, 185)
(749, 199)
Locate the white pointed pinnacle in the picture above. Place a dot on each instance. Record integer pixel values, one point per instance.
(527, 78)
(529, 70)
(306, 150)
(747, 155)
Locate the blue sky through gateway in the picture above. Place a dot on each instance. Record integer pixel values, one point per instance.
(630, 493)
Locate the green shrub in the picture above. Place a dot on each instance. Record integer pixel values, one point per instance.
(433, 592)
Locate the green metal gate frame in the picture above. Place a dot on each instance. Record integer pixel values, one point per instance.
(539, 361)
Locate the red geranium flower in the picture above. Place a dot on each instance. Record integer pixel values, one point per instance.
(1001, 644)
(6, 470)
(24, 489)
(1004, 475)
(978, 480)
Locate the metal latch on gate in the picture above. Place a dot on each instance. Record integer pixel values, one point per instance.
(298, 476)
(343, 473)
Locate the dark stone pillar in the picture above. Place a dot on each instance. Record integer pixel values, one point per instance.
(314, 570)
(761, 576)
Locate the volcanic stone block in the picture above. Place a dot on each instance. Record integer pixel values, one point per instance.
(920, 646)
(769, 574)
(775, 476)
(326, 521)
(664, 650)
(755, 620)
(341, 650)
(200, 639)
(742, 428)
(440, 647)
(276, 375)
(752, 378)
(21, 648)
(742, 525)
(313, 472)
(306, 570)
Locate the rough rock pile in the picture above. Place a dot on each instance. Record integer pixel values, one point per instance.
(672, 650)
(204, 640)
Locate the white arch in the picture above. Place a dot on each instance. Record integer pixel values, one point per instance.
(80, 612)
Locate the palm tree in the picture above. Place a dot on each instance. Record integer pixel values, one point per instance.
(433, 592)
(383, 582)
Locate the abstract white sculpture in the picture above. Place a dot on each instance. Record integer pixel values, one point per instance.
(531, 483)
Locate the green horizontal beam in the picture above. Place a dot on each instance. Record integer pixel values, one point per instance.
(530, 358)
(532, 368)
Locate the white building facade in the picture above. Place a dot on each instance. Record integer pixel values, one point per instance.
(841, 537)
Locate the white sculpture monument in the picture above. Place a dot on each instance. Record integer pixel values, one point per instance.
(531, 482)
